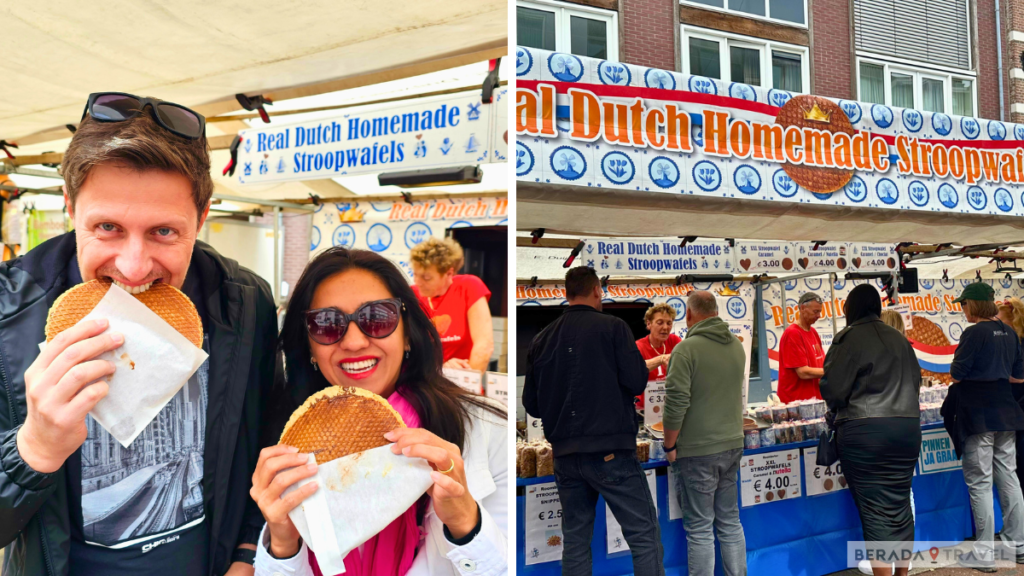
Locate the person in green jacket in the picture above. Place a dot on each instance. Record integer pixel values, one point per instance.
(704, 435)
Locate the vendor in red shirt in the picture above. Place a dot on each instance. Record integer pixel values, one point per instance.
(456, 303)
(657, 346)
(800, 354)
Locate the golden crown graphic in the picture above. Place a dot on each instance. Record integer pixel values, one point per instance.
(815, 114)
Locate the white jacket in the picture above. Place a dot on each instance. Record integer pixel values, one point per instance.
(486, 462)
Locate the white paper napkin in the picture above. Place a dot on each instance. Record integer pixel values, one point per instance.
(357, 497)
(154, 362)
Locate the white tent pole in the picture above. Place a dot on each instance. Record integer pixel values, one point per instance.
(277, 255)
(835, 312)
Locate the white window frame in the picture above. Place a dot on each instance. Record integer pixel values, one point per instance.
(726, 39)
(918, 72)
(767, 8)
(564, 11)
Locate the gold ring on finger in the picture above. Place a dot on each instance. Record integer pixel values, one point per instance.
(450, 468)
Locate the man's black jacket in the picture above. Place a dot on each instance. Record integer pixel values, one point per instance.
(35, 525)
(582, 374)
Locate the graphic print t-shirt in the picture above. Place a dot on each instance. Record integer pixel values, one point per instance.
(449, 313)
(139, 510)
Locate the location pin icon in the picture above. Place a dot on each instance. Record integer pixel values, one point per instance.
(934, 552)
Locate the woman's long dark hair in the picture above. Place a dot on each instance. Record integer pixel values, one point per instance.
(442, 405)
(863, 301)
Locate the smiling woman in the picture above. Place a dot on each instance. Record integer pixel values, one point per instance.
(354, 322)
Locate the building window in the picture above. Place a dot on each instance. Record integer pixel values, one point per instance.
(705, 58)
(934, 94)
(787, 73)
(963, 97)
(904, 86)
(753, 61)
(786, 11)
(746, 65)
(563, 27)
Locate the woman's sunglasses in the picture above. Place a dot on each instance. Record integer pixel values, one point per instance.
(118, 107)
(377, 319)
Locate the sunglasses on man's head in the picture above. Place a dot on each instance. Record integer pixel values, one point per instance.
(377, 319)
(118, 107)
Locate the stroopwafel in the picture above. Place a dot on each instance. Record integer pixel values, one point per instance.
(339, 421)
(794, 113)
(165, 300)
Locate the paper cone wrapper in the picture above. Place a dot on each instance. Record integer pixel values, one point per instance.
(358, 496)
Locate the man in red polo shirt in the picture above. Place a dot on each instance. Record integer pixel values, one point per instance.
(800, 354)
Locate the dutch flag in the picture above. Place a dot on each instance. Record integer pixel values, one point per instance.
(934, 358)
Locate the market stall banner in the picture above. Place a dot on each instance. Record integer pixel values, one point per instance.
(669, 256)
(393, 228)
(735, 299)
(938, 322)
(588, 122)
(457, 130)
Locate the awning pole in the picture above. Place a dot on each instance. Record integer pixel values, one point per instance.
(835, 311)
(277, 255)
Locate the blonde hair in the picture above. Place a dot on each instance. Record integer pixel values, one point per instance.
(1014, 308)
(444, 254)
(893, 318)
(659, 309)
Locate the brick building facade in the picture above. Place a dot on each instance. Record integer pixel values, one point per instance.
(939, 55)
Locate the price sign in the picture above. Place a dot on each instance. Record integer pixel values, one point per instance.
(534, 429)
(769, 477)
(908, 318)
(832, 257)
(616, 542)
(822, 479)
(543, 524)
(874, 257)
(497, 387)
(469, 379)
(770, 257)
(654, 402)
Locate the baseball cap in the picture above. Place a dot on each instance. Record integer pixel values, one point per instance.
(809, 297)
(977, 291)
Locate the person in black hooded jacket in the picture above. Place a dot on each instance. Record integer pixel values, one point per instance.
(582, 373)
(871, 385)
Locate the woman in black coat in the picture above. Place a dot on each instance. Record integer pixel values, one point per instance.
(871, 385)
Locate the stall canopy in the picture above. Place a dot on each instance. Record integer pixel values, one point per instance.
(612, 148)
(202, 54)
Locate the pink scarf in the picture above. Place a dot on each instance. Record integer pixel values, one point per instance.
(392, 550)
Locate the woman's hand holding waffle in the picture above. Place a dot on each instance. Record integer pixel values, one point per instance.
(278, 468)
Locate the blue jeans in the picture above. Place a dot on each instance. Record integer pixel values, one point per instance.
(709, 499)
(619, 478)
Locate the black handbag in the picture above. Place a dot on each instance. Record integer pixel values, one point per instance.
(828, 446)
